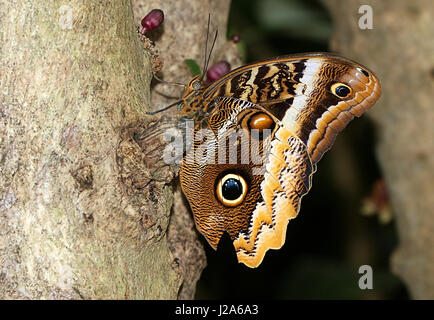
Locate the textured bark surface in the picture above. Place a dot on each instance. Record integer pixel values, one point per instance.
(84, 208)
(399, 50)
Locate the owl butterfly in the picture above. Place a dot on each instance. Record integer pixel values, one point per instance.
(289, 109)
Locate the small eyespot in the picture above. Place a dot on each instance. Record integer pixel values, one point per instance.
(341, 90)
(366, 73)
(231, 190)
(261, 125)
(261, 121)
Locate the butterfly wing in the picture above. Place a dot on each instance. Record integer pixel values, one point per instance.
(203, 167)
(286, 180)
(273, 186)
(310, 99)
(301, 91)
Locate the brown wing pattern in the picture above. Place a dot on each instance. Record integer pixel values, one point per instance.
(310, 98)
(199, 172)
(287, 178)
(297, 90)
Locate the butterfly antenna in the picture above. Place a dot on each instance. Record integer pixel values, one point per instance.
(210, 52)
(206, 46)
(165, 108)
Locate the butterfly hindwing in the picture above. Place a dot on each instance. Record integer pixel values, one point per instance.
(274, 186)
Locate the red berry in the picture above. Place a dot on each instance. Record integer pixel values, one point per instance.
(235, 38)
(217, 70)
(152, 20)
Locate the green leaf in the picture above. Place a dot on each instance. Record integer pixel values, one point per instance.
(193, 66)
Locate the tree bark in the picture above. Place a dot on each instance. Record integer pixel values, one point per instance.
(399, 50)
(84, 206)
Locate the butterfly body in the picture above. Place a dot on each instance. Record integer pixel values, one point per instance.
(286, 112)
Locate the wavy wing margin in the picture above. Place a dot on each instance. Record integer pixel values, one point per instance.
(287, 179)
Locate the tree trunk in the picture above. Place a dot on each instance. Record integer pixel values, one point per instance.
(399, 50)
(84, 205)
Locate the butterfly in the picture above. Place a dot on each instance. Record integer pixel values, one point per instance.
(286, 112)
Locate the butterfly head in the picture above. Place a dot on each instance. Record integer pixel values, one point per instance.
(192, 98)
(194, 88)
(194, 85)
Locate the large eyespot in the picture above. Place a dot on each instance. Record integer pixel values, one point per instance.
(231, 190)
(263, 123)
(341, 90)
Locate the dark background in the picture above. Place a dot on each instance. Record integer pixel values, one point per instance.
(331, 238)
